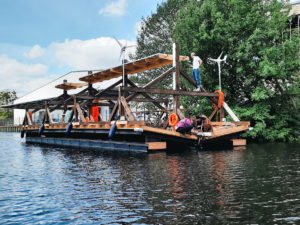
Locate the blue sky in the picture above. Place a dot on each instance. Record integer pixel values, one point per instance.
(41, 40)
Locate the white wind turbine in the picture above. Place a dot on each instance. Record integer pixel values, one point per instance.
(219, 60)
(122, 55)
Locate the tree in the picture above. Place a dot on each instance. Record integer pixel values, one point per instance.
(155, 36)
(6, 97)
(260, 79)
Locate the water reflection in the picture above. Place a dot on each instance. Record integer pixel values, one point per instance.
(46, 185)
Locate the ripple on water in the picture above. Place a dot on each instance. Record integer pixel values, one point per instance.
(44, 185)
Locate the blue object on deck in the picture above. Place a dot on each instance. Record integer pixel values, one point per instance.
(41, 130)
(69, 128)
(22, 133)
(112, 131)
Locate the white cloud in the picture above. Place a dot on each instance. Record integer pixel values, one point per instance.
(35, 52)
(117, 8)
(99, 53)
(75, 54)
(21, 77)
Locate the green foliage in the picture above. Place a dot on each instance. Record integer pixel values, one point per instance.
(261, 77)
(6, 97)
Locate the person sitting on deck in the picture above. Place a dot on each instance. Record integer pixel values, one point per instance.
(185, 125)
(203, 123)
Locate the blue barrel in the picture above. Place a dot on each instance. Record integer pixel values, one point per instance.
(41, 130)
(112, 131)
(69, 128)
(22, 133)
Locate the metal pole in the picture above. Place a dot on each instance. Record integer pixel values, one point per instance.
(174, 64)
(123, 76)
(219, 67)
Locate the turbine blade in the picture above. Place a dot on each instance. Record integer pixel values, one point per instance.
(118, 41)
(220, 55)
(225, 57)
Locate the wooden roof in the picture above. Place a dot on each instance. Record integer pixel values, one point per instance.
(148, 63)
(70, 86)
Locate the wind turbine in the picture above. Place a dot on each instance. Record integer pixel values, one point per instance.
(225, 106)
(122, 55)
(219, 60)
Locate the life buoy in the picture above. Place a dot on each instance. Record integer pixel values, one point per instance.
(220, 100)
(173, 120)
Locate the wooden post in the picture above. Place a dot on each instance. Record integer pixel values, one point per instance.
(63, 115)
(46, 114)
(74, 109)
(128, 113)
(90, 87)
(49, 115)
(79, 111)
(113, 112)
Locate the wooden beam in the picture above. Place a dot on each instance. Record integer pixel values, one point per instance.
(128, 114)
(137, 66)
(146, 96)
(239, 142)
(159, 78)
(113, 112)
(49, 115)
(80, 113)
(74, 109)
(157, 145)
(212, 114)
(180, 114)
(71, 116)
(170, 92)
(188, 78)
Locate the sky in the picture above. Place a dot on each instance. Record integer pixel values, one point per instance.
(41, 40)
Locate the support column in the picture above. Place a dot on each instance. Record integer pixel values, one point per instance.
(176, 76)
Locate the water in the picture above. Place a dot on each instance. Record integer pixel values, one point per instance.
(44, 185)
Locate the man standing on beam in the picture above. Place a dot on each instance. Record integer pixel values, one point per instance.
(197, 63)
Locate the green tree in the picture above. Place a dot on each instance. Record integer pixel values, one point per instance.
(155, 36)
(6, 97)
(261, 79)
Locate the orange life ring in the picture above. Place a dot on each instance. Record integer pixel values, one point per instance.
(173, 120)
(220, 100)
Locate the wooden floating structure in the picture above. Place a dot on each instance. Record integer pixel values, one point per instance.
(81, 129)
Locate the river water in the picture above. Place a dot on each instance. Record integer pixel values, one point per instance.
(46, 185)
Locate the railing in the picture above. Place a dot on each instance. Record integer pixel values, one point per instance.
(11, 128)
(7, 125)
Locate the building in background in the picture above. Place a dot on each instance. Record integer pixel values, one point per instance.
(49, 91)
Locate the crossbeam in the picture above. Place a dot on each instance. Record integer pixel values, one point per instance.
(169, 92)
